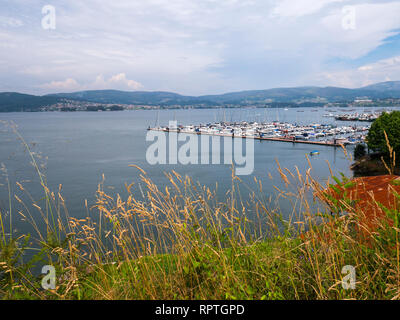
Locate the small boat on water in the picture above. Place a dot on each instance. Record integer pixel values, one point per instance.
(314, 153)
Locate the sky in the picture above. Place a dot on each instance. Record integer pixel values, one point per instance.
(196, 47)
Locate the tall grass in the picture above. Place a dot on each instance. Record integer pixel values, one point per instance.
(182, 242)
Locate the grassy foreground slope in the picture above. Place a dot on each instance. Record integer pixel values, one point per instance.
(183, 243)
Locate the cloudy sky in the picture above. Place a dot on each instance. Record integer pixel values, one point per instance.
(196, 47)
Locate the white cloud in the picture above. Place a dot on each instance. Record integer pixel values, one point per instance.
(298, 8)
(190, 46)
(365, 68)
(118, 82)
(374, 23)
(10, 22)
(67, 84)
(383, 70)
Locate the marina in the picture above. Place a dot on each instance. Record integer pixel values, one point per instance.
(315, 134)
(362, 117)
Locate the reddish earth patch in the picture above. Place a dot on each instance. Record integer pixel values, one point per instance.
(366, 194)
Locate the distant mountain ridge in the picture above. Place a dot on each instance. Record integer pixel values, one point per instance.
(389, 86)
(127, 97)
(330, 94)
(12, 101)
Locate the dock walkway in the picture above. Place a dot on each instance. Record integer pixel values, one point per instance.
(319, 143)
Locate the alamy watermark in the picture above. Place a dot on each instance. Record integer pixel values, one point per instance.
(49, 280)
(349, 281)
(198, 149)
(49, 18)
(349, 21)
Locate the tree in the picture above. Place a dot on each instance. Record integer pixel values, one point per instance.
(116, 108)
(359, 151)
(96, 108)
(389, 123)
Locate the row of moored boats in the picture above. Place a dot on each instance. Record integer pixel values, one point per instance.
(278, 130)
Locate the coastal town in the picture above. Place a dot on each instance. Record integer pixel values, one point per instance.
(71, 105)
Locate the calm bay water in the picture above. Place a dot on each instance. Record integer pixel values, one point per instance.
(81, 146)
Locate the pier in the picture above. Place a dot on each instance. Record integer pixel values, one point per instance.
(302, 137)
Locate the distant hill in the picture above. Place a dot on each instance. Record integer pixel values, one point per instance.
(389, 87)
(285, 95)
(128, 97)
(13, 101)
(330, 94)
(298, 94)
(304, 96)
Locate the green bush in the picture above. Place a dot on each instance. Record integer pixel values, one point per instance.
(359, 151)
(389, 123)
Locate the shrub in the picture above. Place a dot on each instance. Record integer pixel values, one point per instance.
(389, 123)
(359, 151)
